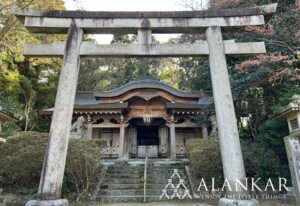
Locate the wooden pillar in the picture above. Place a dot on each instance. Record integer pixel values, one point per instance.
(232, 158)
(55, 157)
(90, 130)
(204, 131)
(171, 125)
(126, 144)
(133, 137)
(163, 134)
(122, 140)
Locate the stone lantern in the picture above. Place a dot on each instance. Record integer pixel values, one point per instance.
(292, 114)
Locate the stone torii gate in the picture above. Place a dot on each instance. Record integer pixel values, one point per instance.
(78, 23)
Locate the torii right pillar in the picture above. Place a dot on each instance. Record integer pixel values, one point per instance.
(232, 157)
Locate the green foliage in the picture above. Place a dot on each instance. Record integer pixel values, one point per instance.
(21, 79)
(14, 107)
(123, 39)
(285, 98)
(205, 157)
(205, 115)
(261, 162)
(271, 136)
(83, 168)
(22, 159)
(259, 82)
(272, 133)
(9, 128)
(188, 73)
(11, 106)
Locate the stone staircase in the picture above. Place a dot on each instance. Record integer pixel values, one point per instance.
(124, 181)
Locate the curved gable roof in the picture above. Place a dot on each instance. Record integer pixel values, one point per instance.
(147, 82)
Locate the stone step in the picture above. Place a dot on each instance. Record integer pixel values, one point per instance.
(139, 192)
(149, 176)
(128, 199)
(125, 170)
(108, 181)
(171, 167)
(123, 199)
(117, 186)
(132, 186)
(125, 183)
(149, 172)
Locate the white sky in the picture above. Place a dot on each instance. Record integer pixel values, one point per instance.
(126, 5)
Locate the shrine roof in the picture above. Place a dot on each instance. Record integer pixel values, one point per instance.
(103, 106)
(98, 107)
(147, 82)
(85, 98)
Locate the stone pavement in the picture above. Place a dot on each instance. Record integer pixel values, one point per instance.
(158, 204)
(192, 203)
(169, 203)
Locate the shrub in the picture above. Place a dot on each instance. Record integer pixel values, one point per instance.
(22, 159)
(261, 162)
(271, 136)
(83, 167)
(205, 157)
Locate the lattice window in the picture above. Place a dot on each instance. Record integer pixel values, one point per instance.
(294, 124)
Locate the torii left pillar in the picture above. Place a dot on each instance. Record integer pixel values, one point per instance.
(49, 193)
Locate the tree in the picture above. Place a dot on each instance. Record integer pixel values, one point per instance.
(109, 73)
(259, 82)
(22, 79)
(196, 4)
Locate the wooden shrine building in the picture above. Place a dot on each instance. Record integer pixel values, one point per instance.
(139, 114)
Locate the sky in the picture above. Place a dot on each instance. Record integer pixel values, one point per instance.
(126, 5)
